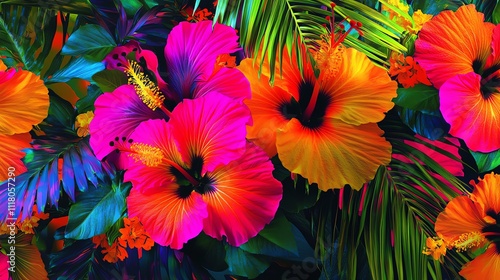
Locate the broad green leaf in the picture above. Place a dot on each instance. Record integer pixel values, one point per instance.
(420, 98)
(91, 40)
(109, 80)
(276, 239)
(78, 68)
(87, 218)
(245, 264)
(486, 161)
(207, 251)
(86, 103)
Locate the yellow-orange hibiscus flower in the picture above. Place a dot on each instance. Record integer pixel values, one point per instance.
(470, 222)
(323, 128)
(24, 102)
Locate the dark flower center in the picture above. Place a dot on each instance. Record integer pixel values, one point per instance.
(492, 231)
(296, 109)
(490, 81)
(203, 183)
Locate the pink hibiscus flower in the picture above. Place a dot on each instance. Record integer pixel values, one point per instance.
(197, 172)
(193, 53)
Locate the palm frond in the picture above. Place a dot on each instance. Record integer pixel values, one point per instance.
(388, 221)
(81, 7)
(271, 26)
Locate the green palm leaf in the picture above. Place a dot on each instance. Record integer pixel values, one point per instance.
(399, 208)
(272, 25)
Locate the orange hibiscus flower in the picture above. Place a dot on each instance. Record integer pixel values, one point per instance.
(323, 128)
(470, 222)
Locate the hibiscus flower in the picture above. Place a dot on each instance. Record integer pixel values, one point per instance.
(461, 56)
(323, 128)
(24, 102)
(197, 172)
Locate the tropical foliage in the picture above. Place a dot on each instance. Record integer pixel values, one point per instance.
(237, 139)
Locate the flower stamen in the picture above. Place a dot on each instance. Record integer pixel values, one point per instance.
(146, 89)
(468, 240)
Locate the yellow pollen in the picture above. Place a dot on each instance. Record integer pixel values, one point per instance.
(147, 90)
(147, 154)
(468, 240)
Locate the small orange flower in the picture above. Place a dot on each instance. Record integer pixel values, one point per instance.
(435, 246)
(82, 123)
(407, 72)
(134, 235)
(111, 253)
(199, 15)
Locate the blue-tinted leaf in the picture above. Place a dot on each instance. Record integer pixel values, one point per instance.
(68, 177)
(86, 103)
(86, 216)
(245, 264)
(420, 98)
(91, 40)
(431, 126)
(78, 68)
(81, 260)
(486, 161)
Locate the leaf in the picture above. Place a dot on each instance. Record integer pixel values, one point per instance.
(298, 195)
(109, 80)
(430, 125)
(28, 263)
(436, 6)
(207, 251)
(245, 264)
(276, 240)
(420, 98)
(81, 260)
(77, 68)
(86, 217)
(86, 103)
(486, 161)
(495, 16)
(90, 40)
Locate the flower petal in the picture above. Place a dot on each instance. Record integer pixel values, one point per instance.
(11, 155)
(169, 219)
(211, 127)
(494, 59)
(460, 216)
(361, 92)
(484, 266)
(451, 42)
(245, 197)
(24, 101)
(117, 114)
(487, 192)
(191, 53)
(228, 81)
(471, 117)
(334, 154)
(157, 134)
(265, 105)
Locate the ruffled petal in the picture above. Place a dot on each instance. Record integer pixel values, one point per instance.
(494, 58)
(484, 266)
(334, 154)
(117, 114)
(155, 133)
(211, 127)
(452, 42)
(487, 192)
(460, 216)
(265, 105)
(11, 154)
(169, 219)
(228, 81)
(361, 92)
(191, 53)
(24, 101)
(471, 117)
(244, 199)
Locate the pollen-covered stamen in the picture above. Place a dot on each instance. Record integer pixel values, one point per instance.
(146, 89)
(153, 156)
(147, 154)
(468, 240)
